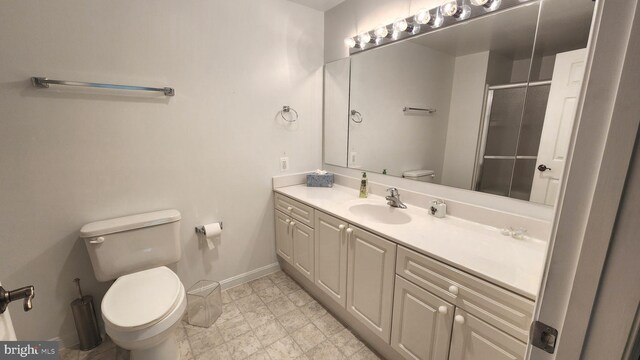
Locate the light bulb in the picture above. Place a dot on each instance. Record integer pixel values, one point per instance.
(450, 8)
(489, 5)
(438, 20)
(364, 38)
(350, 42)
(465, 12)
(400, 25)
(381, 32)
(422, 17)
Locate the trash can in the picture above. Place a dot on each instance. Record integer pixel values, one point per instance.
(204, 303)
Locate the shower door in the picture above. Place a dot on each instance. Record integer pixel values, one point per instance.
(510, 138)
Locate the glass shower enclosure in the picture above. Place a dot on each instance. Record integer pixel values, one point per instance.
(510, 138)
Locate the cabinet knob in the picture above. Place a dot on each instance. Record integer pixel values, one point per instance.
(442, 310)
(288, 221)
(341, 227)
(293, 223)
(453, 289)
(459, 319)
(289, 208)
(349, 230)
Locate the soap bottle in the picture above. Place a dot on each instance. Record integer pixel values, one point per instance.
(364, 186)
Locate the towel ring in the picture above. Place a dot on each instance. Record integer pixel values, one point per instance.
(288, 109)
(356, 117)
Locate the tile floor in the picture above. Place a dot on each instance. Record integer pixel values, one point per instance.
(268, 318)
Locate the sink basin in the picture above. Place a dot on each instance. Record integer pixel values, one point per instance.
(383, 214)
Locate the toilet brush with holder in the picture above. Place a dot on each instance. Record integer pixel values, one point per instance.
(84, 315)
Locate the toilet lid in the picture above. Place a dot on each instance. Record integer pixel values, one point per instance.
(141, 299)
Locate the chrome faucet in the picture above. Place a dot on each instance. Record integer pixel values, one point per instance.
(27, 293)
(393, 199)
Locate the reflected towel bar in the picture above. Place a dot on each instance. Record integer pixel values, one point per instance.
(409, 108)
(43, 82)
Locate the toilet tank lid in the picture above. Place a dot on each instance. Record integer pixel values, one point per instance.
(418, 173)
(139, 221)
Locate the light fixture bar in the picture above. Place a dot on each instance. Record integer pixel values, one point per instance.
(451, 12)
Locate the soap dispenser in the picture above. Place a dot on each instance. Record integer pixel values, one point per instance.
(364, 186)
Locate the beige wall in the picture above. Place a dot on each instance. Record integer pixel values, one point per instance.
(68, 157)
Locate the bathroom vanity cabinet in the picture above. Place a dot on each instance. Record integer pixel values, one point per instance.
(418, 307)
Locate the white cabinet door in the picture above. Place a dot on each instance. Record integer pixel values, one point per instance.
(371, 272)
(284, 241)
(421, 323)
(473, 339)
(303, 249)
(331, 257)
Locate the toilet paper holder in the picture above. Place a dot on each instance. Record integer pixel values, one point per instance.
(200, 229)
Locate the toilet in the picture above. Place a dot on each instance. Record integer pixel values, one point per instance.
(420, 175)
(145, 304)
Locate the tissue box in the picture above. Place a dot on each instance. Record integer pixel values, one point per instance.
(315, 180)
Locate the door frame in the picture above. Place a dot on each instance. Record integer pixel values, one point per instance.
(599, 157)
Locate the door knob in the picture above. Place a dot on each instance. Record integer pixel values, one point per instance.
(543, 168)
(453, 289)
(27, 293)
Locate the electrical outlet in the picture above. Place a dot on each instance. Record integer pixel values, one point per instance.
(284, 163)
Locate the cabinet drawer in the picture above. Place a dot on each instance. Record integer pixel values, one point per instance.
(501, 308)
(295, 209)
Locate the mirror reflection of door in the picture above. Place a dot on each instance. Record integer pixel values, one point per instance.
(558, 121)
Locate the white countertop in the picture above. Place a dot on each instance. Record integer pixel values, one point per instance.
(472, 247)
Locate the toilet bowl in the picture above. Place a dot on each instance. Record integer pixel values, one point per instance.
(141, 312)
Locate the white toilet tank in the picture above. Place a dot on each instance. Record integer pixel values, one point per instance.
(132, 243)
(420, 175)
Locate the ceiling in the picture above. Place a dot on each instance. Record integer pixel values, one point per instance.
(322, 5)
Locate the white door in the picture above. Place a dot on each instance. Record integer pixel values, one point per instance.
(371, 273)
(568, 72)
(7, 333)
(331, 257)
(302, 237)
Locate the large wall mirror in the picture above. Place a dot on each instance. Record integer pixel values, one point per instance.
(486, 104)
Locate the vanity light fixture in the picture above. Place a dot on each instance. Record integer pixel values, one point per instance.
(489, 5)
(364, 39)
(381, 32)
(460, 12)
(423, 17)
(350, 42)
(426, 20)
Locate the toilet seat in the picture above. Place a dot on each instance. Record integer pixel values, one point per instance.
(140, 300)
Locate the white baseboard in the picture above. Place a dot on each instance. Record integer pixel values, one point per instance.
(250, 275)
(71, 339)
